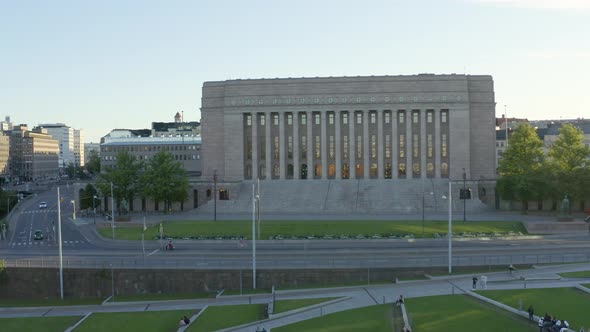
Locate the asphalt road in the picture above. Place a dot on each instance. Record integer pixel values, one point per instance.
(82, 247)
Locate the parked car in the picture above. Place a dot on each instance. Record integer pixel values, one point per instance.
(43, 205)
(38, 235)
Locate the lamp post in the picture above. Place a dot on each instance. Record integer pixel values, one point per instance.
(61, 267)
(94, 208)
(254, 199)
(464, 194)
(215, 195)
(74, 213)
(113, 211)
(450, 230)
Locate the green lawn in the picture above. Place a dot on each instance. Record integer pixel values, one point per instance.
(287, 305)
(565, 303)
(376, 318)
(34, 324)
(460, 313)
(19, 302)
(477, 270)
(145, 321)
(316, 228)
(220, 317)
(577, 274)
(162, 297)
(246, 291)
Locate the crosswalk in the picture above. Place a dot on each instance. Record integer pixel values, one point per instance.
(46, 243)
(39, 211)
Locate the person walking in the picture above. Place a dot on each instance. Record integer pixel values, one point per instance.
(474, 284)
(531, 312)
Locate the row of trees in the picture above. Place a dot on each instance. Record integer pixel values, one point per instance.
(161, 179)
(527, 174)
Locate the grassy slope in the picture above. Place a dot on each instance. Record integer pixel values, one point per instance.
(220, 317)
(162, 321)
(565, 303)
(287, 305)
(34, 324)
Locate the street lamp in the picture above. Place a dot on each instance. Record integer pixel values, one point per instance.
(94, 208)
(450, 235)
(61, 267)
(254, 199)
(113, 211)
(215, 195)
(464, 194)
(74, 213)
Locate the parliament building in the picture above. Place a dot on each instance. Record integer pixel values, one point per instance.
(349, 144)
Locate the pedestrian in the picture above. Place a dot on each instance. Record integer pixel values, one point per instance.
(474, 284)
(531, 312)
(541, 323)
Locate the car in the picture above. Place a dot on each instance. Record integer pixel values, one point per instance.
(43, 205)
(38, 235)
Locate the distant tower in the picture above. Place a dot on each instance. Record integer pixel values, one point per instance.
(178, 117)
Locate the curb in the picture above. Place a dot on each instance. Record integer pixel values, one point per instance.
(71, 328)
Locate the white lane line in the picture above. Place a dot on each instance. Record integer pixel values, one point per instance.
(153, 252)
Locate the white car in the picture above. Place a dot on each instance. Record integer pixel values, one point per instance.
(43, 205)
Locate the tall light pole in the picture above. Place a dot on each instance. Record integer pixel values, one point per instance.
(450, 229)
(464, 194)
(214, 195)
(254, 199)
(258, 201)
(113, 211)
(61, 266)
(94, 208)
(74, 204)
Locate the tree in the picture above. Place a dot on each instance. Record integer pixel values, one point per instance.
(124, 176)
(87, 196)
(164, 180)
(569, 161)
(521, 167)
(70, 171)
(93, 164)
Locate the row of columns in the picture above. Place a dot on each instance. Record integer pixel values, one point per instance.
(310, 145)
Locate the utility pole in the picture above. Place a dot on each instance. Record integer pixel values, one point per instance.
(253, 236)
(258, 201)
(214, 195)
(464, 194)
(61, 262)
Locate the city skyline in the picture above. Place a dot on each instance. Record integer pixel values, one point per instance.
(108, 65)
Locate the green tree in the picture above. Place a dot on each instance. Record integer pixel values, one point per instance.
(87, 196)
(93, 164)
(164, 180)
(125, 177)
(70, 171)
(521, 167)
(569, 162)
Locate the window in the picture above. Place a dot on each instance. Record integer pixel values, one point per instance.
(359, 147)
(345, 118)
(303, 118)
(332, 148)
(444, 170)
(443, 116)
(345, 147)
(289, 119)
(317, 118)
(373, 146)
(373, 117)
(359, 117)
(400, 116)
(317, 147)
(416, 117)
(402, 146)
(387, 146)
(276, 148)
(345, 171)
(275, 119)
(276, 171)
(401, 170)
(331, 118)
(387, 171)
(290, 147)
(443, 145)
(387, 117)
(262, 119)
(223, 195)
(248, 120)
(275, 101)
(303, 146)
(429, 145)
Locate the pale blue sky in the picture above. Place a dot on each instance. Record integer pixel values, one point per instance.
(122, 64)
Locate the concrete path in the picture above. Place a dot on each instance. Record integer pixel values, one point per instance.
(354, 297)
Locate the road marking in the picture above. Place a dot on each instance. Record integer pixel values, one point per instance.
(153, 252)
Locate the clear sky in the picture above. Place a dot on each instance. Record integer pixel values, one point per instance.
(99, 65)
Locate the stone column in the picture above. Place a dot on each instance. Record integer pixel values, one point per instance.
(380, 166)
(351, 145)
(423, 143)
(254, 146)
(310, 167)
(268, 146)
(366, 139)
(323, 146)
(296, 142)
(337, 145)
(409, 141)
(282, 145)
(437, 143)
(394, 145)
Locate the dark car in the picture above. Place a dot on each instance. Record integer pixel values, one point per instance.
(38, 235)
